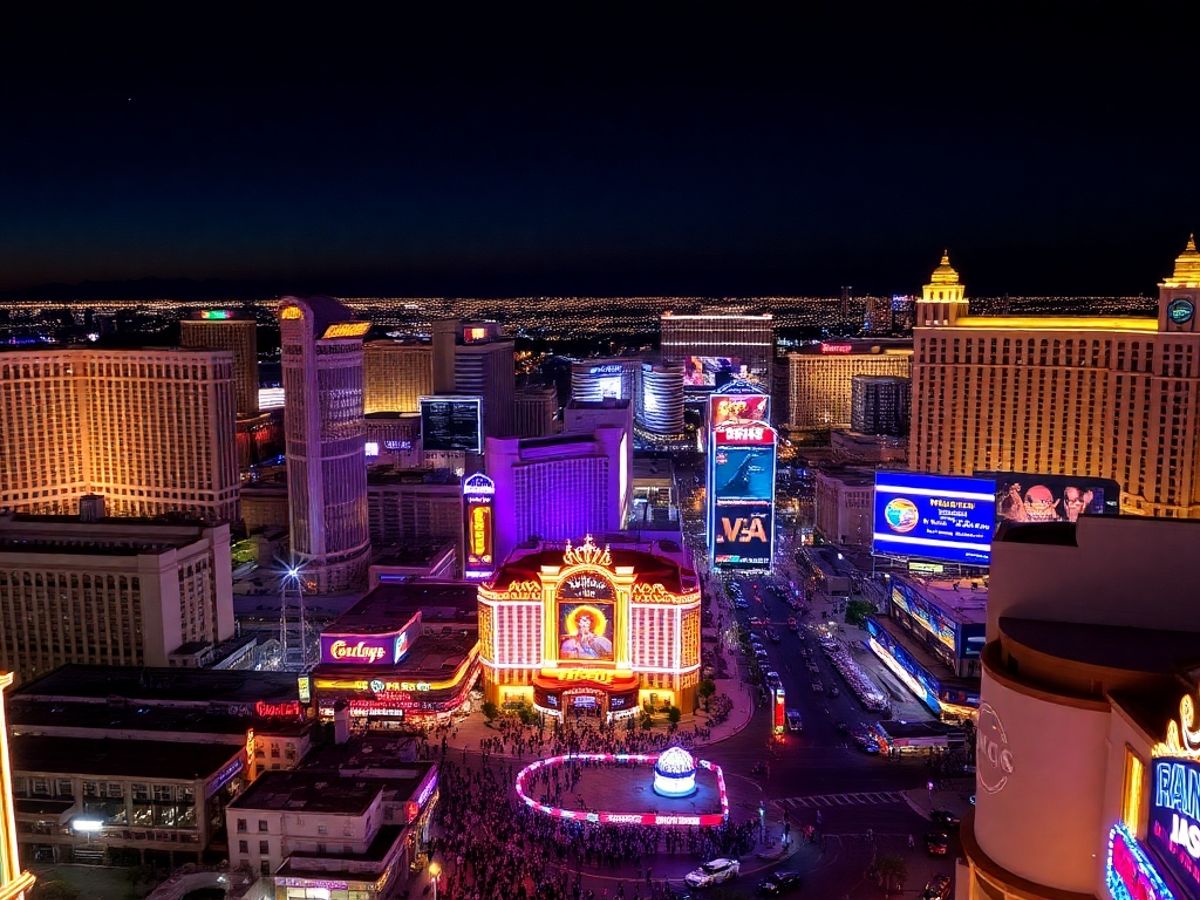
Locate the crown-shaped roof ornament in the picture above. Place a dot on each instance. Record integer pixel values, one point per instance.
(587, 554)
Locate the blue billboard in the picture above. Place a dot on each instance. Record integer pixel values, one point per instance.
(934, 517)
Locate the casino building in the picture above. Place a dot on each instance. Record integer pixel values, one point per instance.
(1088, 738)
(592, 631)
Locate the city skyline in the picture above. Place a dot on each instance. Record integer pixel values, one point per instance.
(784, 164)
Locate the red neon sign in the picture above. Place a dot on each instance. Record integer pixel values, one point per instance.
(614, 818)
(837, 348)
(287, 709)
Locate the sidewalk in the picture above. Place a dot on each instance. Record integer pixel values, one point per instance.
(954, 795)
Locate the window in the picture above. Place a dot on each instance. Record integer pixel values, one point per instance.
(241, 826)
(322, 829)
(243, 846)
(265, 867)
(1135, 787)
(262, 824)
(264, 847)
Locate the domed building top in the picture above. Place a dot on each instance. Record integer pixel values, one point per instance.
(945, 273)
(675, 761)
(1187, 266)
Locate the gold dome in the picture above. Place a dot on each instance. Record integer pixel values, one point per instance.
(945, 273)
(1187, 264)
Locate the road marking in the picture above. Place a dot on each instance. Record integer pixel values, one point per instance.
(816, 801)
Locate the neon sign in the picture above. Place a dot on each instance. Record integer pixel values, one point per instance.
(1174, 826)
(1129, 873)
(479, 495)
(288, 709)
(216, 314)
(615, 818)
(837, 348)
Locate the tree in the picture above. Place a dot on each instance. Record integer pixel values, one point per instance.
(858, 610)
(674, 714)
(490, 711)
(706, 689)
(891, 871)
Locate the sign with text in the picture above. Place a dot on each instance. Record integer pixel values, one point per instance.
(934, 517)
(741, 489)
(357, 649)
(452, 423)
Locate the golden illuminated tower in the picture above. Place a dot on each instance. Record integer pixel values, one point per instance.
(13, 882)
(943, 301)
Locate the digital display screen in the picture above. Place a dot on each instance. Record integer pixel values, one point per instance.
(452, 423)
(934, 517)
(731, 408)
(709, 371)
(1023, 498)
(741, 477)
(585, 631)
(610, 386)
(742, 535)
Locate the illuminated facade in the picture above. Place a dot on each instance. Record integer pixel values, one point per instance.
(660, 401)
(326, 437)
(475, 359)
(594, 379)
(226, 329)
(879, 404)
(13, 881)
(740, 471)
(590, 631)
(534, 409)
(395, 376)
(152, 431)
(1108, 397)
(1088, 751)
(715, 346)
(820, 382)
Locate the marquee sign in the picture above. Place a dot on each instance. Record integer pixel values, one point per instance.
(378, 649)
(1174, 826)
(479, 494)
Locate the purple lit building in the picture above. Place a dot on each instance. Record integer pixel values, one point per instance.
(558, 488)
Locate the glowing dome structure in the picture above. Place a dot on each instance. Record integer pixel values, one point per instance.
(675, 773)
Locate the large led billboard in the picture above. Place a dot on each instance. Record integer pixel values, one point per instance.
(479, 494)
(709, 371)
(741, 482)
(452, 423)
(934, 517)
(1022, 497)
(734, 408)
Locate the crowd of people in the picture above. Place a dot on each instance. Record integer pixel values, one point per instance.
(515, 739)
(503, 849)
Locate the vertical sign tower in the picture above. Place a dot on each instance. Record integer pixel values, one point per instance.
(741, 478)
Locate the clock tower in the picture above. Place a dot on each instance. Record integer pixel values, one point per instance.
(1179, 294)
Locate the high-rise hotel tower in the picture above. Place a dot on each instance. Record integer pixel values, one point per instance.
(326, 437)
(151, 431)
(1112, 397)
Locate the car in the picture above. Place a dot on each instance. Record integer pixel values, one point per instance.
(756, 622)
(943, 817)
(773, 679)
(740, 604)
(779, 883)
(814, 668)
(794, 723)
(793, 624)
(842, 727)
(834, 691)
(939, 888)
(715, 871)
(818, 688)
(937, 843)
(773, 635)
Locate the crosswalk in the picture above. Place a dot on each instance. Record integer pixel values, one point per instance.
(862, 798)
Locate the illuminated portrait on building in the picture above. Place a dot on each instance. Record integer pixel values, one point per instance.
(586, 630)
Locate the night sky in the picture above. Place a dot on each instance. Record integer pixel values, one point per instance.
(606, 157)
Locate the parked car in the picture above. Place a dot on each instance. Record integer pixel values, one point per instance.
(779, 883)
(715, 871)
(937, 843)
(794, 723)
(939, 888)
(774, 680)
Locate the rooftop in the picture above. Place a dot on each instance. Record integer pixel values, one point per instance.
(961, 598)
(174, 760)
(388, 606)
(134, 683)
(858, 347)
(1118, 647)
(1058, 323)
(109, 536)
(392, 475)
(35, 716)
(304, 791)
(431, 657)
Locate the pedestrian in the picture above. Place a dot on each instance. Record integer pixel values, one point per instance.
(912, 842)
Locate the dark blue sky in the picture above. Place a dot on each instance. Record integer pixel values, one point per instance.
(616, 156)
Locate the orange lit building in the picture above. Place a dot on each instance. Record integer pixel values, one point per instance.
(1111, 397)
(13, 882)
(591, 631)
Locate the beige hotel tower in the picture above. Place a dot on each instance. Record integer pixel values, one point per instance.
(1110, 397)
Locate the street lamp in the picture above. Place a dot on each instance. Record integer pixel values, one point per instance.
(434, 871)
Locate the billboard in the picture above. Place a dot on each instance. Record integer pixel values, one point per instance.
(741, 487)
(735, 408)
(1022, 497)
(934, 517)
(479, 495)
(709, 371)
(1174, 826)
(452, 423)
(585, 630)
